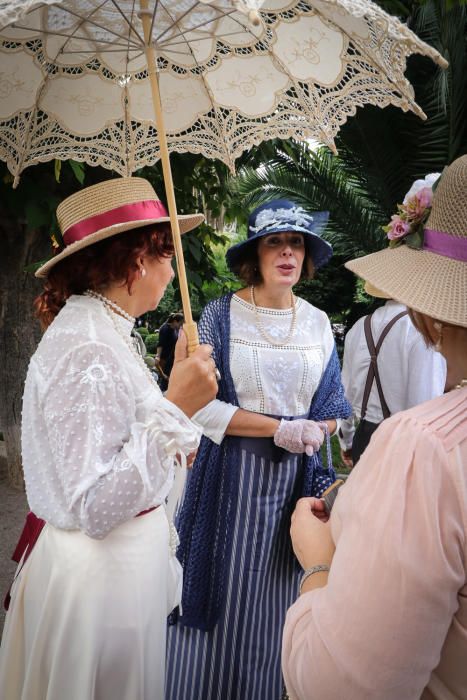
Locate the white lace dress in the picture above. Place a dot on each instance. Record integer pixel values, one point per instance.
(87, 619)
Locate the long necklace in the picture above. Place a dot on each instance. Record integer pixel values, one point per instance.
(109, 303)
(259, 323)
(112, 309)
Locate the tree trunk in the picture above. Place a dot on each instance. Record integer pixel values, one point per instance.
(19, 331)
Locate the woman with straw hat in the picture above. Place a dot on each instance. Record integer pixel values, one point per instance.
(383, 605)
(98, 574)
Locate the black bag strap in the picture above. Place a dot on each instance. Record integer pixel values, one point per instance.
(373, 372)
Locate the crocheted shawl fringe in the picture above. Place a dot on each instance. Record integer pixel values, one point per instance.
(207, 514)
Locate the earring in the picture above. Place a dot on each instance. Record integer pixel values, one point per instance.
(143, 272)
(438, 326)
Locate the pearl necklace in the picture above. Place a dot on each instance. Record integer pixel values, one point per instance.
(462, 384)
(259, 323)
(112, 309)
(115, 307)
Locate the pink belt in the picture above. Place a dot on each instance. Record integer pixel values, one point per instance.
(27, 541)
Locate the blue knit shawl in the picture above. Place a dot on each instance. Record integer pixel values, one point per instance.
(207, 514)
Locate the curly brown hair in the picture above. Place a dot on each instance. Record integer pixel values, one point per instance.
(112, 260)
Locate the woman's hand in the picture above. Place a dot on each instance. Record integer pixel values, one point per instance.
(311, 533)
(192, 382)
(299, 436)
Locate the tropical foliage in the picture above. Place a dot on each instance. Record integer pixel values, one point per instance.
(380, 152)
(389, 149)
(317, 180)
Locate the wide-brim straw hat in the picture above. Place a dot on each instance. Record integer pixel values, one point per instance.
(433, 279)
(109, 208)
(373, 291)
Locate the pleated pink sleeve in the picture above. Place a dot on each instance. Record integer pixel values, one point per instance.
(391, 624)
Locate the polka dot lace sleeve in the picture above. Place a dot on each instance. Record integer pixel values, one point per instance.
(108, 466)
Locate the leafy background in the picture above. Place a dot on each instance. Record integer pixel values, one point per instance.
(380, 153)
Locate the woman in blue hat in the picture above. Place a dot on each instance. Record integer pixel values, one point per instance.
(280, 393)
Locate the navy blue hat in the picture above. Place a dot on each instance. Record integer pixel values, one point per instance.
(283, 215)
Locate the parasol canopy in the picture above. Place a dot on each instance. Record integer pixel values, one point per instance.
(74, 78)
(84, 79)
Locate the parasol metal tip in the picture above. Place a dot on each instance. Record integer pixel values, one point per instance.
(414, 107)
(441, 61)
(254, 17)
(330, 143)
(245, 7)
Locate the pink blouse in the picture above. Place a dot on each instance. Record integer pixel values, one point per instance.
(391, 624)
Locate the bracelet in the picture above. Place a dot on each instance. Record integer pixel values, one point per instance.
(312, 570)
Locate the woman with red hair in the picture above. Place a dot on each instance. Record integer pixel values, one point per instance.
(88, 607)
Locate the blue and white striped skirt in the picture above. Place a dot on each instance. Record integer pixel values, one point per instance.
(240, 659)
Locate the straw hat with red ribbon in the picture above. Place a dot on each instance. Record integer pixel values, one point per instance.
(106, 209)
(425, 266)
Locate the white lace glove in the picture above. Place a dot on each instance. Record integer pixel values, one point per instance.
(299, 436)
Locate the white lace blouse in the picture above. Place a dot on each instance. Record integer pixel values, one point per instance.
(98, 438)
(271, 379)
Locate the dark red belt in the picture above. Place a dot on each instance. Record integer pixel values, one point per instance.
(27, 541)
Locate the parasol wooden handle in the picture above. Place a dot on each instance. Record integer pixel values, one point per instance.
(191, 332)
(189, 327)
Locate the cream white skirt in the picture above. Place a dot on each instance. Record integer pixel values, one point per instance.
(87, 618)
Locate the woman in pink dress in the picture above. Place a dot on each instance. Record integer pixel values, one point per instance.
(382, 613)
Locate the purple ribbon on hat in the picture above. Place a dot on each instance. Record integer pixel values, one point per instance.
(443, 243)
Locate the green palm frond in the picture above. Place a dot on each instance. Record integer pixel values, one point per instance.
(381, 151)
(394, 148)
(317, 181)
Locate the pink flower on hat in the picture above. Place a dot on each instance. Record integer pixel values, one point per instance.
(418, 185)
(416, 206)
(412, 213)
(397, 228)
